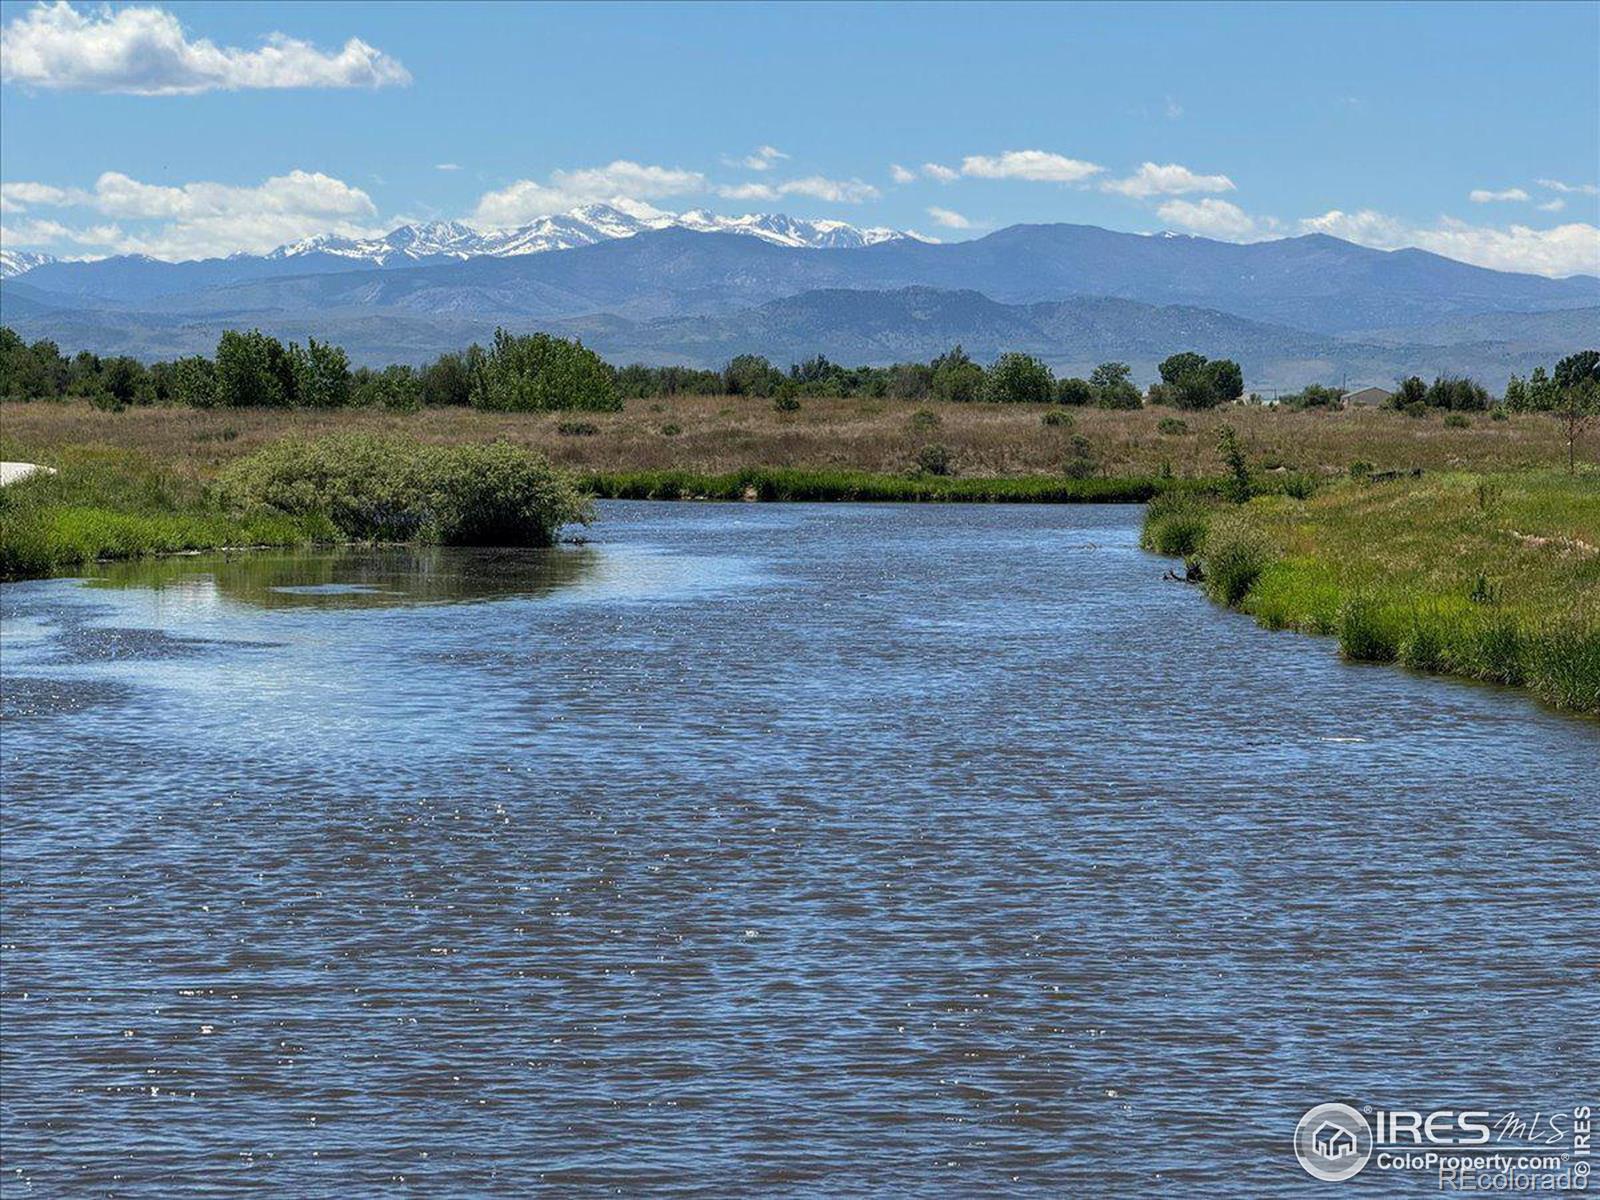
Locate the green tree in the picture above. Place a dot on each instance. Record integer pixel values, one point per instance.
(194, 382)
(1074, 391)
(956, 377)
(1236, 488)
(540, 372)
(1575, 368)
(1226, 378)
(321, 375)
(1019, 379)
(1112, 386)
(247, 373)
(750, 375)
(1177, 366)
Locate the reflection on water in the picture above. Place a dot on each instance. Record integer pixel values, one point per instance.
(356, 577)
(907, 851)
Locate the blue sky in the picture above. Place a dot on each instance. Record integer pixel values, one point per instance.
(1470, 130)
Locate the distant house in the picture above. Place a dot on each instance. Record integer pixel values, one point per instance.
(1367, 397)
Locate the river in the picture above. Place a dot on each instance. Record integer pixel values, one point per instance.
(863, 849)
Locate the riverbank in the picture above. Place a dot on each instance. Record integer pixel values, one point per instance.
(1492, 577)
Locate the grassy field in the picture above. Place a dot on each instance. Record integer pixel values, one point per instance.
(1493, 577)
(722, 435)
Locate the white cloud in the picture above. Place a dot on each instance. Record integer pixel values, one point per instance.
(1174, 110)
(949, 219)
(747, 191)
(1214, 218)
(1154, 179)
(900, 175)
(447, 166)
(835, 191)
(1563, 250)
(195, 220)
(1485, 196)
(762, 158)
(144, 51)
(527, 199)
(1555, 205)
(1571, 189)
(940, 174)
(1036, 165)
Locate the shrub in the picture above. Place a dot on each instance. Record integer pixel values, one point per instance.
(934, 459)
(1360, 469)
(1057, 419)
(1298, 485)
(1172, 426)
(1235, 556)
(1237, 486)
(671, 429)
(1456, 420)
(1081, 461)
(394, 490)
(925, 419)
(786, 401)
(577, 429)
(1176, 524)
(1497, 413)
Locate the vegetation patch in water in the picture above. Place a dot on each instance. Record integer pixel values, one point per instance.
(799, 483)
(394, 490)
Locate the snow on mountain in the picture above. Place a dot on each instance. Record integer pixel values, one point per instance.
(582, 226)
(19, 262)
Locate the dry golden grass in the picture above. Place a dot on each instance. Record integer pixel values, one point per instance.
(719, 434)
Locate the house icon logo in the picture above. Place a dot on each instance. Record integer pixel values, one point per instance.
(1333, 1142)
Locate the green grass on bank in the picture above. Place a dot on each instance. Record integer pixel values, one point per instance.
(775, 483)
(117, 504)
(1492, 577)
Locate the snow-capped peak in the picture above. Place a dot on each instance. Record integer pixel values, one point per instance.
(20, 262)
(581, 226)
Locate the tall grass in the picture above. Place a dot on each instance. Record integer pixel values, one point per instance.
(779, 483)
(1496, 579)
(115, 504)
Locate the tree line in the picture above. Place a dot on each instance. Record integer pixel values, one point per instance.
(536, 372)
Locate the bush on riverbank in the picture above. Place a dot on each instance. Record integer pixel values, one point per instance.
(393, 490)
(1497, 580)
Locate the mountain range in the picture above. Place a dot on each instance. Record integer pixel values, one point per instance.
(639, 284)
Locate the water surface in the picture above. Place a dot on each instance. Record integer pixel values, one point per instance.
(905, 850)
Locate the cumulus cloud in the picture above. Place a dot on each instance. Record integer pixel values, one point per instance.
(1214, 218)
(747, 191)
(835, 191)
(1154, 179)
(527, 199)
(762, 158)
(900, 175)
(1486, 196)
(1555, 205)
(1569, 249)
(1036, 165)
(447, 166)
(940, 174)
(1571, 189)
(145, 51)
(193, 220)
(949, 219)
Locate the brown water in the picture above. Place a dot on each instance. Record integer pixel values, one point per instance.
(851, 849)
